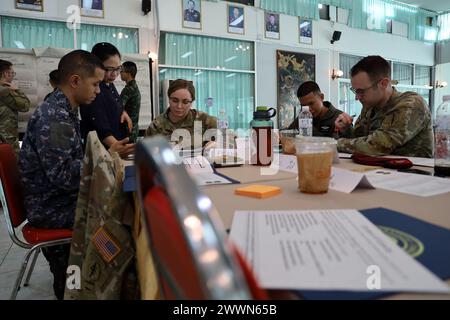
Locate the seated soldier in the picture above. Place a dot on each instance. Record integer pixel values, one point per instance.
(179, 115)
(51, 158)
(391, 123)
(323, 112)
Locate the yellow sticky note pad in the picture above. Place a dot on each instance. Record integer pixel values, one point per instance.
(258, 191)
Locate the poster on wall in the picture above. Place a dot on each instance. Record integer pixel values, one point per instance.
(92, 8)
(272, 23)
(305, 30)
(192, 14)
(293, 68)
(236, 19)
(34, 5)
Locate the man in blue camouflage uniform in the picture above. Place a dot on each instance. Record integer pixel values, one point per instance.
(50, 160)
(391, 123)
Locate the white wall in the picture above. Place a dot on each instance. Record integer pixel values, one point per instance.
(353, 41)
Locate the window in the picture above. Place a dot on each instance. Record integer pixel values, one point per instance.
(403, 73)
(24, 33)
(324, 11)
(222, 71)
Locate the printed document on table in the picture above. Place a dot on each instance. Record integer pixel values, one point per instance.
(326, 250)
(202, 171)
(415, 184)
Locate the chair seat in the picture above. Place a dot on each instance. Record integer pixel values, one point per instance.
(37, 235)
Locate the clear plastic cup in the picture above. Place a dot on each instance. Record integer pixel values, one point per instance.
(314, 159)
(287, 139)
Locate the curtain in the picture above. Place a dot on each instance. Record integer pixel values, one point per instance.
(403, 73)
(422, 76)
(182, 55)
(29, 33)
(346, 62)
(125, 39)
(443, 23)
(207, 52)
(300, 8)
(372, 15)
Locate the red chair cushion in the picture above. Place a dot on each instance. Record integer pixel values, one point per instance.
(37, 235)
(9, 174)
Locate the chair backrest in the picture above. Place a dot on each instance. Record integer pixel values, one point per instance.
(193, 256)
(10, 186)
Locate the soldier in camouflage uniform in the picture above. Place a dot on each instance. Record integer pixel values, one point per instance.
(12, 101)
(131, 97)
(391, 123)
(179, 119)
(50, 160)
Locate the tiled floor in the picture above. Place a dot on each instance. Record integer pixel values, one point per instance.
(11, 255)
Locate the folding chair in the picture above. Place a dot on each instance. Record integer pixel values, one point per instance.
(12, 201)
(193, 257)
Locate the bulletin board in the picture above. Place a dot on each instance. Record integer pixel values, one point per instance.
(32, 67)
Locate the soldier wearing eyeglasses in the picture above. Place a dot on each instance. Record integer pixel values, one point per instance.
(12, 101)
(391, 122)
(179, 120)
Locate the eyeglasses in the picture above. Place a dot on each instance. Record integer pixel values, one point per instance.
(177, 101)
(361, 92)
(111, 69)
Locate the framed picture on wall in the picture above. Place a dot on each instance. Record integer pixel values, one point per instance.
(293, 68)
(92, 8)
(35, 5)
(236, 19)
(272, 25)
(192, 14)
(305, 30)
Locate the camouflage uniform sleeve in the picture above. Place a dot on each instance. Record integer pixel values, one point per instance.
(152, 129)
(210, 122)
(54, 144)
(15, 99)
(125, 95)
(400, 126)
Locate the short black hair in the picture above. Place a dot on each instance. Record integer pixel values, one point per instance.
(4, 66)
(53, 75)
(78, 62)
(105, 50)
(130, 67)
(307, 87)
(375, 66)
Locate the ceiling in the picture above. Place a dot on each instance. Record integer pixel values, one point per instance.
(435, 5)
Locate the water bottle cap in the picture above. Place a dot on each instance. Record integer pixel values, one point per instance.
(305, 108)
(264, 113)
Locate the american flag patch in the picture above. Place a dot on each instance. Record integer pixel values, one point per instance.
(106, 246)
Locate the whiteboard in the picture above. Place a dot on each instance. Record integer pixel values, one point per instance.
(32, 67)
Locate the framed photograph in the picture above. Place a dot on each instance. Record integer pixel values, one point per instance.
(35, 5)
(92, 8)
(236, 19)
(293, 68)
(272, 25)
(305, 30)
(192, 14)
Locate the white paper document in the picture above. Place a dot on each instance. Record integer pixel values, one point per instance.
(327, 250)
(202, 171)
(415, 184)
(346, 181)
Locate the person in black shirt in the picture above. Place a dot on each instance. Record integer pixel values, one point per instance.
(323, 112)
(106, 114)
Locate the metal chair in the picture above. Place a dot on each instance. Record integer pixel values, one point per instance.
(13, 208)
(193, 257)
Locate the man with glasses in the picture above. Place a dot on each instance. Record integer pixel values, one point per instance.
(12, 101)
(391, 123)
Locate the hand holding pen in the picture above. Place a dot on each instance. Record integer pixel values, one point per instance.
(343, 121)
